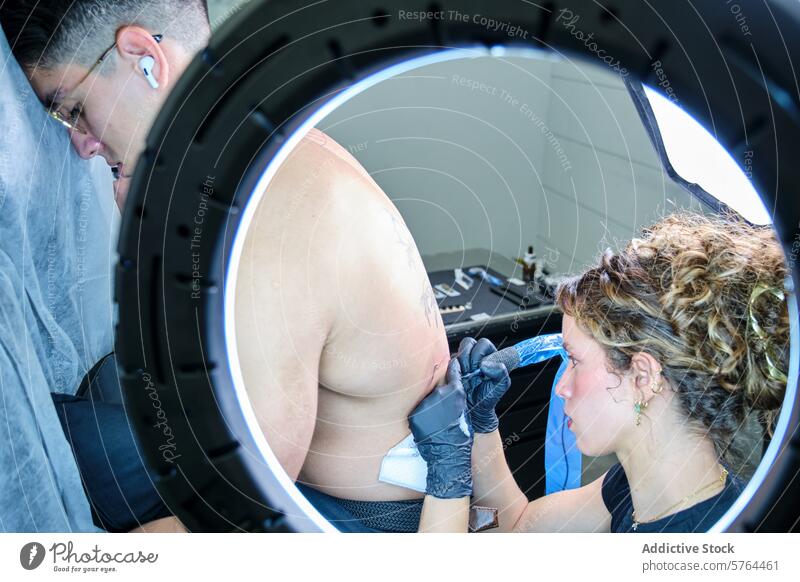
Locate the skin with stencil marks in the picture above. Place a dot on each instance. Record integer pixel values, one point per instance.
(427, 298)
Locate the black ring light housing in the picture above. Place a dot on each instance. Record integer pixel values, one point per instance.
(272, 66)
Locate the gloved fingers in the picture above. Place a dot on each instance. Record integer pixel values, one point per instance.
(453, 374)
(458, 431)
(442, 406)
(498, 382)
(464, 351)
(465, 423)
(453, 396)
(482, 349)
(424, 422)
(424, 413)
(439, 394)
(441, 429)
(486, 397)
(496, 372)
(416, 420)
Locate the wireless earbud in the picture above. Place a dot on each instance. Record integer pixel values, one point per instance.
(146, 65)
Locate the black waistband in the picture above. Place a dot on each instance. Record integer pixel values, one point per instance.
(353, 515)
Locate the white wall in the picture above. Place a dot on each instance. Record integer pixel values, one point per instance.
(545, 152)
(614, 183)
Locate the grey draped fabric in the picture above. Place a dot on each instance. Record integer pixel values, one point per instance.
(58, 225)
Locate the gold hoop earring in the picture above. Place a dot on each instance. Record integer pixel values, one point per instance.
(656, 388)
(638, 407)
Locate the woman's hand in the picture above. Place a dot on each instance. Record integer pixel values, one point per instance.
(441, 429)
(486, 384)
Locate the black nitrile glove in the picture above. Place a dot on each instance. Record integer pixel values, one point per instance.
(486, 388)
(440, 425)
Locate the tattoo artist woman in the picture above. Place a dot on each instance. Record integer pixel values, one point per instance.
(672, 343)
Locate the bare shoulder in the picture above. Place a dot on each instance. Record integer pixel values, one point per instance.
(316, 193)
(326, 197)
(284, 309)
(331, 146)
(318, 225)
(574, 510)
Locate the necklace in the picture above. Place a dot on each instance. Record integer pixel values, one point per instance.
(720, 480)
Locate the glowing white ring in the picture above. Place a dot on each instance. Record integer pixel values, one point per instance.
(247, 217)
(238, 243)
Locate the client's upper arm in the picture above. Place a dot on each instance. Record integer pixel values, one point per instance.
(282, 317)
(279, 354)
(574, 510)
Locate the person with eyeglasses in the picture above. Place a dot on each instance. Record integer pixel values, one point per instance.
(103, 70)
(338, 331)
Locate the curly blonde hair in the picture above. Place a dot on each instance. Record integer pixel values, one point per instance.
(684, 293)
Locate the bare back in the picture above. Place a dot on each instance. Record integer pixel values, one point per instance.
(338, 332)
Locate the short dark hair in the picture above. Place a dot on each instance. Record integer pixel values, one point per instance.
(48, 33)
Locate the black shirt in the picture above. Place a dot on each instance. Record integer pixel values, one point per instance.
(698, 518)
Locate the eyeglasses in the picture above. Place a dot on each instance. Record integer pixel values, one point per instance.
(70, 121)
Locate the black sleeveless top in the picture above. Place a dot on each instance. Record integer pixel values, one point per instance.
(697, 518)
